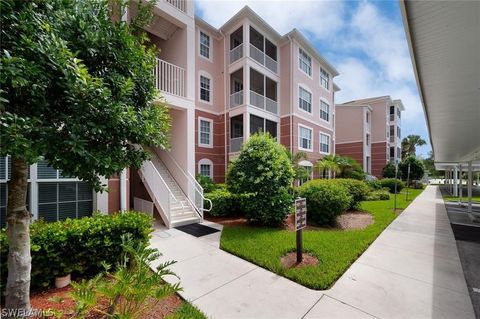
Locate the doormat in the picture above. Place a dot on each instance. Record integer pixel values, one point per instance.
(197, 230)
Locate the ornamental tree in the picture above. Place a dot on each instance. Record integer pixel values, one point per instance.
(77, 89)
(417, 170)
(264, 169)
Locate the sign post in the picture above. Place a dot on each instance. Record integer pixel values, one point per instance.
(408, 181)
(395, 188)
(300, 223)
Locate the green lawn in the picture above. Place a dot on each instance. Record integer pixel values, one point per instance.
(335, 249)
(186, 310)
(450, 198)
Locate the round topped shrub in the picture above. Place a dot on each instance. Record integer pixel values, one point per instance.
(358, 189)
(390, 184)
(325, 200)
(264, 170)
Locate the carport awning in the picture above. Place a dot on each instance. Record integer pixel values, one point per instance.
(444, 40)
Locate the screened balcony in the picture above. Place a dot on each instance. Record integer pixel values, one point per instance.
(236, 133)
(263, 92)
(263, 51)
(236, 88)
(236, 45)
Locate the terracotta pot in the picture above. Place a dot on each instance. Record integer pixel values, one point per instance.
(61, 282)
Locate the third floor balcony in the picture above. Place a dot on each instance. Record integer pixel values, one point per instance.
(259, 49)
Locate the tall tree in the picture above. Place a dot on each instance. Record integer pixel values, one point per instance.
(409, 145)
(417, 170)
(77, 89)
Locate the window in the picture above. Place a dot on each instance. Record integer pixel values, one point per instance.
(368, 117)
(398, 132)
(324, 78)
(324, 111)
(204, 45)
(367, 139)
(392, 130)
(368, 164)
(304, 138)
(205, 133)
(324, 143)
(304, 100)
(392, 151)
(204, 88)
(205, 167)
(62, 200)
(304, 62)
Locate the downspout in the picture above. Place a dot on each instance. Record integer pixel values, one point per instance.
(225, 94)
(291, 94)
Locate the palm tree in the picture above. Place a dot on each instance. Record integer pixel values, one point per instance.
(329, 163)
(409, 145)
(300, 172)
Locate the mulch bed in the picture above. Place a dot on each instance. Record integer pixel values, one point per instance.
(290, 260)
(228, 221)
(59, 300)
(354, 220)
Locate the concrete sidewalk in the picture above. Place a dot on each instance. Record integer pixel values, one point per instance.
(412, 270)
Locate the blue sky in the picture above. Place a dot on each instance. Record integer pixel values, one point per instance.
(364, 40)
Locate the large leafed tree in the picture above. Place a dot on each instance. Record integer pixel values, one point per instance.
(409, 145)
(77, 89)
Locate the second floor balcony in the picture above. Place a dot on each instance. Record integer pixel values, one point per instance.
(170, 78)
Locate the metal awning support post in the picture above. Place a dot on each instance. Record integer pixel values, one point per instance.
(460, 185)
(455, 181)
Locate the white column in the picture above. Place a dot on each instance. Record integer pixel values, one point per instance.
(101, 199)
(123, 190)
(455, 181)
(460, 186)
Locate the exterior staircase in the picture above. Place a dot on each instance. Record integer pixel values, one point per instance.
(176, 208)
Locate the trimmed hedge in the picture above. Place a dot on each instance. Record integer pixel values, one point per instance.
(358, 189)
(379, 195)
(225, 203)
(207, 183)
(374, 184)
(325, 200)
(390, 184)
(77, 246)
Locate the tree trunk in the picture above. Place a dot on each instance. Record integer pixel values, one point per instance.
(18, 232)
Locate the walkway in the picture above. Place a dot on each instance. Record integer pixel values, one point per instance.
(412, 270)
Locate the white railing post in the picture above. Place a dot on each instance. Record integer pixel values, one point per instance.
(170, 78)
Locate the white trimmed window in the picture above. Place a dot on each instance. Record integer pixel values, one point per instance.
(367, 117)
(205, 167)
(304, 138)
(205, 132)
(304, 100)
(308, 167)
(304, 62)
(324, 78)
(324, 143)
(204, 45)
(367, 139)
(204, 88)
(324, 111)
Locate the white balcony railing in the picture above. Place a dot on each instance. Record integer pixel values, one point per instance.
(392, 117)
(179, 4)
(263, 59)
(170, 78)
(236, 99)
(236, 144)
(392, 138)
(263, 102)
(236, 53)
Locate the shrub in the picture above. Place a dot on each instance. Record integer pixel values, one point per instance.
(389, 171)
(78, 246)
(206, 182)
(374, 184)
(390, 184)
(263, 169)
(325, 200)
(417, 170)
(357, 189)
(225, 203)
(379, 195)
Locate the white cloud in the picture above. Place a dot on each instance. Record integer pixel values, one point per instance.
(319, 19)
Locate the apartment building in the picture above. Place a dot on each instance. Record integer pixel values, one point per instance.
(369, 130)
(221, 86)
(249, 78)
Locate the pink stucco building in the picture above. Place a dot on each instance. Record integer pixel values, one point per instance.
(249, 78)
(369, 130)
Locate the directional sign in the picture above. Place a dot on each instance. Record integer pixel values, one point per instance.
(300, 213)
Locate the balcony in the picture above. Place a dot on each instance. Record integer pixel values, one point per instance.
(179, 4)
(263, 59)
(236, 99)
(236, 144)
(392, 117)
(170, 78)
(236, 53)
(263, 102)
